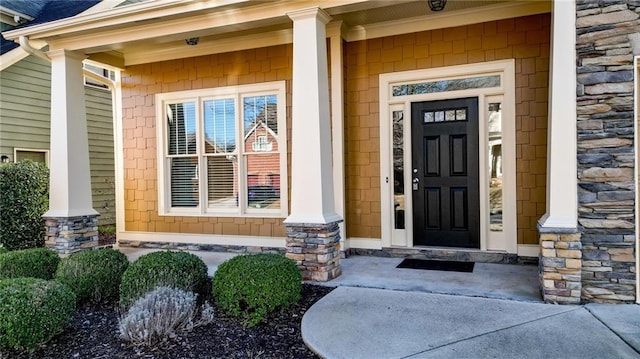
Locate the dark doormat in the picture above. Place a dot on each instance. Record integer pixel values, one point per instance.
(428, 264)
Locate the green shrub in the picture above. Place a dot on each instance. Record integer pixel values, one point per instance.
(33, 311)
(179, 270)
(93, 275)
(32, 262)
(250, 286)
(25, 197)
(3, 249)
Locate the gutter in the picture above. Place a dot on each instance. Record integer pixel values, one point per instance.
(26, 46)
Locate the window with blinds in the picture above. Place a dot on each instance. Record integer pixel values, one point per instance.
(224, 151)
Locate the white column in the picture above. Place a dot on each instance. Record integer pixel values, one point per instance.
(70, 187)
(311, 168)
(334, 31)
(562, 201)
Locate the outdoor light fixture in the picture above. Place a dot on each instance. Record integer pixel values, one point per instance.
(4, 159)
(192, 41)
(436, 5)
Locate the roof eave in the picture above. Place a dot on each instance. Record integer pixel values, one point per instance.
(114, 16)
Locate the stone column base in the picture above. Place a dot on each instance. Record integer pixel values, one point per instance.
(560, 267)
(66, 235)
(316, 249)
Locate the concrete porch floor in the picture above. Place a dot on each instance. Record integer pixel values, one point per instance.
(488, 280)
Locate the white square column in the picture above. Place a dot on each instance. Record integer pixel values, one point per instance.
(562, 168)
(311, 167)
(313, 232)
(71, 221)
(560, 255)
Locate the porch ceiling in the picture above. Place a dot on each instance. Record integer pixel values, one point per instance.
(155, 31)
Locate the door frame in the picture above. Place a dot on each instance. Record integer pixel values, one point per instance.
(505, 241)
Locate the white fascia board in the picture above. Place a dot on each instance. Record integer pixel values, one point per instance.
(12, 13)
(114, 16)
(449, 19)
(122, 18)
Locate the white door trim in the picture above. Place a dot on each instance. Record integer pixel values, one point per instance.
(496, 241)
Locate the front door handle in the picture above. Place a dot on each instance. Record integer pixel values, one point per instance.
(415, 183)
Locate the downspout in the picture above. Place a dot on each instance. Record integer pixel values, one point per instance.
(24, 44)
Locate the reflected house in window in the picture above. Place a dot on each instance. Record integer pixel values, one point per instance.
(263, 159)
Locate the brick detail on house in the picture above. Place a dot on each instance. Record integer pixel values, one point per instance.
(607, 40)
(559, 267)
(316, 249)
(67, 235)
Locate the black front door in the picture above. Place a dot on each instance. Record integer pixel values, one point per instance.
(446, 203)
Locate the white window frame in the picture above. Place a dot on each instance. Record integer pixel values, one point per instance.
(277, 88)
(19, 149)
(106, 73)
(506, 240)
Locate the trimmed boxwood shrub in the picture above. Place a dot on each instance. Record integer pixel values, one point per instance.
(93, 275)
(32, 262)
(25, 197)
(3, 249)
(33, 311)
(251, 286)
(179, 270)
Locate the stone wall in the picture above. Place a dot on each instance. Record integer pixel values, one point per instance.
(607, 39)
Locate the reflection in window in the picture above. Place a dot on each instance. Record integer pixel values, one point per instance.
(495, 165)
(398, 169)
(448, 115)
(262, 159)
(220, 125)
(181, 128)
(447, 85)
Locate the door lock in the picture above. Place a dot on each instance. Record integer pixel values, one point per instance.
(415, 183)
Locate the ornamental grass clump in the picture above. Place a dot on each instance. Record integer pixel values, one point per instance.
(251, 286)
(24, 198)
(32, 262)
(33, 311)
(163, 314)
(93, 275)
(179, 270)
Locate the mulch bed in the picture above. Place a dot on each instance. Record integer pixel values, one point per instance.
(93, 333)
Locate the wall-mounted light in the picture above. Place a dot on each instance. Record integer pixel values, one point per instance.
(4, 159)
(436, 5)
(192, 41)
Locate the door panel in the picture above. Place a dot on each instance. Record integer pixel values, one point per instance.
(445, 173)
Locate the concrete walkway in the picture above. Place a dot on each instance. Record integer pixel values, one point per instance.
(379, 311)
(376, 323)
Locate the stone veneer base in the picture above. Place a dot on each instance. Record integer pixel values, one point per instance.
(315, 248)
(199, 247)
(67, 235)
(560, 267)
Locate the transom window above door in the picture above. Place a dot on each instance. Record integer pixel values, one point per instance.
(223, 151)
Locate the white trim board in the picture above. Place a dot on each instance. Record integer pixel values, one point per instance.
(505, 240)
